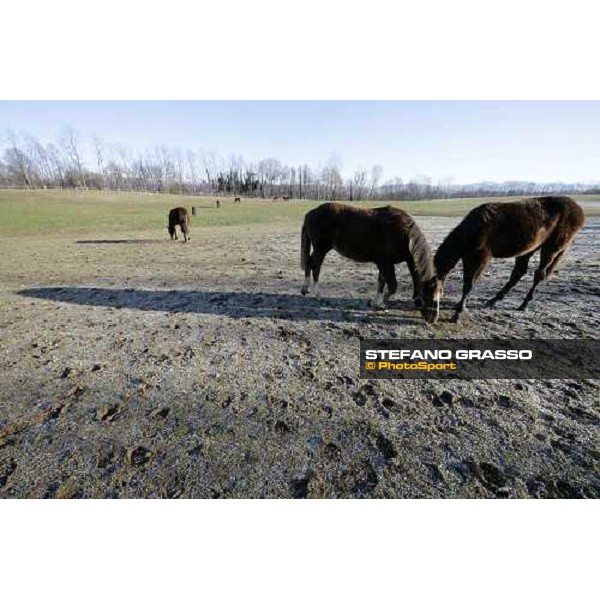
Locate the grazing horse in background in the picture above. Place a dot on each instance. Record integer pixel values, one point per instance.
(385, 236)
(179, 216)
(237, 200)
(504, 230)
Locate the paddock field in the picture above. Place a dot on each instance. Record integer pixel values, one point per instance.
(133, 366)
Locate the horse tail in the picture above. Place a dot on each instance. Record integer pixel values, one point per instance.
(304, 248)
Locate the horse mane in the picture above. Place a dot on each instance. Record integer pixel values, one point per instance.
(418, 246)
(421, 253)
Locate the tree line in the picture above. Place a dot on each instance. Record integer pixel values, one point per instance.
(27, 163)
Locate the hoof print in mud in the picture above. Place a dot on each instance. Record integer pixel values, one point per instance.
(138, 456)
(299, 487)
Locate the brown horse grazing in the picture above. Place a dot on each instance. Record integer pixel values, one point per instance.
(179, 216)
(237, 200)
(504, 230)
(385, 236)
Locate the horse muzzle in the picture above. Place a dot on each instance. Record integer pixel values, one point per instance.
(431, 313)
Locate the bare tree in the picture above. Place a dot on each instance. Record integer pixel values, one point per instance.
(26, 162)
(270, 172)
(209, 162)
(40, 157)
(17, 161)
(376, 173)
(100, 159)
(70, 146)
(359, 183)
(193, 170)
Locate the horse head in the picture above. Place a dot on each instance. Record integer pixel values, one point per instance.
(431, 291)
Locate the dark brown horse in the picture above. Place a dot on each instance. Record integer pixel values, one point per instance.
(507, 229)
(385, 236)
(179, 216)
(237, 200)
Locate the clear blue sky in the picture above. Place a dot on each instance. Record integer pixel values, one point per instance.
(468, 141)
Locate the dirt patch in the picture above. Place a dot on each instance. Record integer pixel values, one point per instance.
(145, 368)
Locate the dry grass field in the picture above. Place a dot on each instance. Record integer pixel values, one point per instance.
(132, 366)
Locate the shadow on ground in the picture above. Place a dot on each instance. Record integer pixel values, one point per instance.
(119, 241)
(230, 304)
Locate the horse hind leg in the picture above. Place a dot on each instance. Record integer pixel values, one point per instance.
(549, 260)
(305, 289)
(473, 267)
(519, 270)
(390, 278)
(378, 300)
(387, 276)
(316, 260)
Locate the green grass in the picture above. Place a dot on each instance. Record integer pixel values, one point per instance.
(54, 212)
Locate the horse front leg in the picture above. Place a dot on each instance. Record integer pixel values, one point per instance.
(417, 288)
(473, 267)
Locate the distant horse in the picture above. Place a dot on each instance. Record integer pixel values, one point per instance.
(218, 204)
(385, 236)
(179, 216)
(237, 200)
(503, 230)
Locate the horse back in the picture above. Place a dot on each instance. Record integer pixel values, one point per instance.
(178, 216)
(360, 234)
(517, 228)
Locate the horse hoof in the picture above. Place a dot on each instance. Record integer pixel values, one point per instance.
(374, 305)
(490, 304)
(522, 308)
(418, 302)
(456, 318)
(304, 291)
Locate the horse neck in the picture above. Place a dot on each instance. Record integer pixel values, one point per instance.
(452, 249)
(444, 261)
(422, 257)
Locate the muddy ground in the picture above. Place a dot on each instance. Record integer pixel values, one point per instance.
(144, 368)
